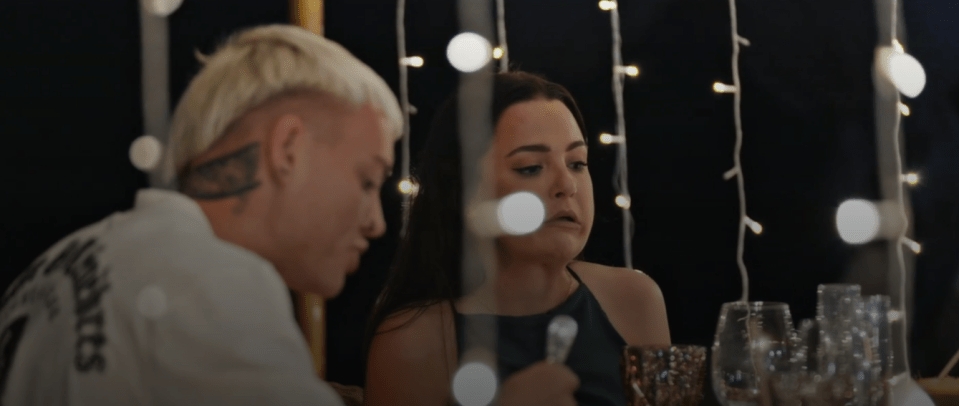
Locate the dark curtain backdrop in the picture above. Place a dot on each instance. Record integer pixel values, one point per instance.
(70, 97)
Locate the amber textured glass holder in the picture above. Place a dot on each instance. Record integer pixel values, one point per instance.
(664, 375)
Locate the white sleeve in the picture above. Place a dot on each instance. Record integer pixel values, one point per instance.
(232, 340)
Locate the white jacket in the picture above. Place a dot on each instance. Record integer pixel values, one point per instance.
(149, 307)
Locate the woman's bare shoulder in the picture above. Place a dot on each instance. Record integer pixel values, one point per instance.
(632, 281)
(632, 300)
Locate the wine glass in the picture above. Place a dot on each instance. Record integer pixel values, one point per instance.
(664, 375)
(753, 340)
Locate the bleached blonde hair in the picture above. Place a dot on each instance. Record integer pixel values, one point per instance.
(258, 65)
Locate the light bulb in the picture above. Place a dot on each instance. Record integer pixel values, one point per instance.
(161, 8)
(407, 186)
(911, 178)
(904, 109)
(413, 61)
(914, 246)
(520, 213)
(753, 225)
(607, 5)
(730, 173)
(623, 201)
(903, 70)
(497, 52)
(145, 152)
(631, 70)
(719, 87)
(474, 384)
(607, 138)
(857, 221)
(469, 52)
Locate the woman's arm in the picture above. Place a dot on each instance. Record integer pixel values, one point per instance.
(643, 308)
(411, 359)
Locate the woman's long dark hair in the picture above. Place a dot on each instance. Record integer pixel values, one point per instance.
(427, 268)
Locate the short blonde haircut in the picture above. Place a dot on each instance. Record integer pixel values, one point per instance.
(258, 65)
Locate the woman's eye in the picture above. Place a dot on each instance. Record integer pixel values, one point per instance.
(529, 170)
(579, 165)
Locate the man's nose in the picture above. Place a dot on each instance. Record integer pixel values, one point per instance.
(375, 225)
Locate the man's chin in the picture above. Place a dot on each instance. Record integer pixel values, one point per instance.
(335, 287)
(352, 269)
(326, 289)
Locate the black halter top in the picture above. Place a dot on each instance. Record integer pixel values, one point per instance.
(594, 357)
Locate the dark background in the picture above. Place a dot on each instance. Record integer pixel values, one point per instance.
(70, 106)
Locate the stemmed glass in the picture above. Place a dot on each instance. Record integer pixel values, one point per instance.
(754, 340)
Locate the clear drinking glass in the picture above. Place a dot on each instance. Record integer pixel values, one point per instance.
(808, 348)
(806, 382)
(838, 302)
(664, 375)
(845, 355)
(753, 340)
(876, 316)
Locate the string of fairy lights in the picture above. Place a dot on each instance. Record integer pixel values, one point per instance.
(909, 78)
(620, 176)
(737, 170)
(407, 186)
(860, 221)
(501, 52)
(146, 150)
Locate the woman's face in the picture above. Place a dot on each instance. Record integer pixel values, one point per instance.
(539, 148)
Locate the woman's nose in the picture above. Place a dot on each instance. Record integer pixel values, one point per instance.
(564, 184)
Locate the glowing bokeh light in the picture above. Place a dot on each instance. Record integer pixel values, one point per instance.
(145, 152)
(520, 213)
(903, 70)
(469, 52)
(607, 5)
(407, 186)
(857, 221)
(474, 384)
